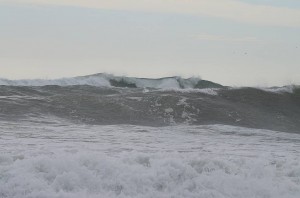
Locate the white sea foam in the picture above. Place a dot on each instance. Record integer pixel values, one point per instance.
(62, 160)
(278, 90)
(162, 83)
(86, 80)
(285, 89)
(208, 91)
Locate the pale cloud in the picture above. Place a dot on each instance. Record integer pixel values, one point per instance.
(228, 9)
(212, 37)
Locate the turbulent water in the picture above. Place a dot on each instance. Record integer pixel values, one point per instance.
(108, 136)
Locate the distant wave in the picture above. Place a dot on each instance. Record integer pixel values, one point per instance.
(107, 80)
(175, 83)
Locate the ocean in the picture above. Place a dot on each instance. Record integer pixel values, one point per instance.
(108, 136)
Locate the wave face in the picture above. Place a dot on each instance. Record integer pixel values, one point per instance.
(127, 103)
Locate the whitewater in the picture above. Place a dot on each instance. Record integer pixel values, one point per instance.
(109, 136)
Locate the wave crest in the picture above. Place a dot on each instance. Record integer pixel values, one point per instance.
(108, 80)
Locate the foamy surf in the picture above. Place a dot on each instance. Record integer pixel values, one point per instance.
(63, 160)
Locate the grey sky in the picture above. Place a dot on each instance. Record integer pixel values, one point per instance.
(51, 39)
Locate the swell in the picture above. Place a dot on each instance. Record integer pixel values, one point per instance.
(247, 107)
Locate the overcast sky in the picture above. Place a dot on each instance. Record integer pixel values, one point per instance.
(233, 42)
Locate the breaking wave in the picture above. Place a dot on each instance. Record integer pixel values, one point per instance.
(106, 99)
(107, 80)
